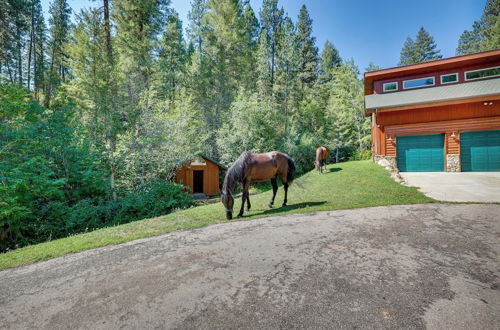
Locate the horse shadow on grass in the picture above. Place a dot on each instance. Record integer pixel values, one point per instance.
(290, 207)
(334, 169)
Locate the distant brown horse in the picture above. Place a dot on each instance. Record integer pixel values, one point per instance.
(321, 155)
(251, 167)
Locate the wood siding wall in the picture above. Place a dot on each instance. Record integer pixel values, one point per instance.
(439, 113)
(184, 176)
(441, 119)
(378, 85)
(390, 146)
(452, 143)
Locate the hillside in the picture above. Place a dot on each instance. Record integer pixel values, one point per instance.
(343, 186)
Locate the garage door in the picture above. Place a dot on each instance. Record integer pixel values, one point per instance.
(420, 153)
(480, 151)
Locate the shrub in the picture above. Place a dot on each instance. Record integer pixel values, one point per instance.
(152, 200)
(361, 155)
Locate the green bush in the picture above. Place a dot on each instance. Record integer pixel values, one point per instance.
(152, 200)
(361, 155)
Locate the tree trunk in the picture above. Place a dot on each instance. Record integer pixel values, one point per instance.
(32, 37)
(19, 58)
(107, 31)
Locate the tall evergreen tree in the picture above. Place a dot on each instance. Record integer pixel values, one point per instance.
(59, 33)
(288, 65)
(485, 33)
(250, 26)
(172, 57)
(14, 30)
(93, 87)
(423, 49)
(138, 25)
(469, 41)
(307, 49)
(264, 85)
(39, 49)
(196, 28)
(271, 18)
(372, 67)
(407, 55)
(329, 59)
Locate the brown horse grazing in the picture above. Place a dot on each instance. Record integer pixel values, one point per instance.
(321, 154)
(251, 167)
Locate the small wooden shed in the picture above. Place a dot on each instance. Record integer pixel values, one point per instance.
(201, 175)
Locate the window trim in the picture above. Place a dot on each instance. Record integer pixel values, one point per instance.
(433, 82)
(393, 90)
(493, 67)
(449, 82)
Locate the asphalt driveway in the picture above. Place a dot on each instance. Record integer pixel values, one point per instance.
(457, 187)
(432, 266)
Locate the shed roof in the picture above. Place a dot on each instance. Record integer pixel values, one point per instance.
(222, 166)
(182, 162)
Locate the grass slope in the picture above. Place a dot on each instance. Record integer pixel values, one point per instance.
(343, 186)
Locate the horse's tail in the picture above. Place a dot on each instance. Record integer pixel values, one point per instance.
(290, 175)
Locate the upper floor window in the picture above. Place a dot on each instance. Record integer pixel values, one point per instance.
(420, 82)
(449, 78)
(482, 73)
(391, 87)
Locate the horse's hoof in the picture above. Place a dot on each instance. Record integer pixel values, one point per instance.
(270, 206)
(284, 204)
(240, 216)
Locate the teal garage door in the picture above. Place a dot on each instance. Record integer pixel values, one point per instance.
(420, 153)
(480, 151)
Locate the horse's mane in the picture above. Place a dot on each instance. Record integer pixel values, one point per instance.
(236, 172)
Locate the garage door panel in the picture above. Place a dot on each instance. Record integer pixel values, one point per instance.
(480, 151)
(420, 153)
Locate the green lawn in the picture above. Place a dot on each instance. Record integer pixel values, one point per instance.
(343, 186)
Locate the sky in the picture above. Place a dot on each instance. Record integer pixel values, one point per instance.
(367, 30)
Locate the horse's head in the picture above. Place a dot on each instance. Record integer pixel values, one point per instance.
(228, 202)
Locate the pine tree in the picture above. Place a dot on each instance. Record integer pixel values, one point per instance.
(286, 87)
(345, 111)
(94, 87)
(250, 26)
(469, 41)
(407, 55)
(329, 59)
(39, 49)
(264, 85)
(172, 57)
(270, 19)
(138, 25)
(196, 28)
(425, 47)
(485, 33)
(225, 49)
(307, 49)
(372, 67)
(59, 33)
(14, 30)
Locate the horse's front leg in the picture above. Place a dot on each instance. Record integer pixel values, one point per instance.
(274, 183)
(244, 196)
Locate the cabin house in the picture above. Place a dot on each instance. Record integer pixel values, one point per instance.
(200, 175)
(437, 116)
